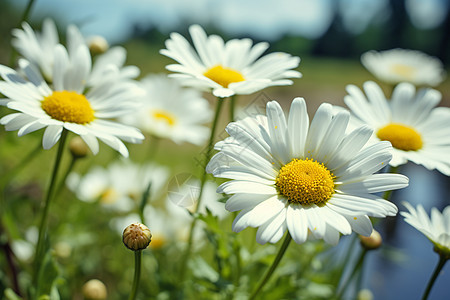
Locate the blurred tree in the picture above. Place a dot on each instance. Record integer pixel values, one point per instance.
(396, 26)
(444, 42)
(336, 41)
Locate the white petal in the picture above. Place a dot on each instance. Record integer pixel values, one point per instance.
(51, 136)
(298, 123)
(280, 144)
(264, 211)
(360, 224)
(319, 124)
(239, 186)
(376, 183)
(296, 222)
(244, 201)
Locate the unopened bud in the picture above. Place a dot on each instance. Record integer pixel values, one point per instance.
(371, 242)
(78, 147)
(94, 289)
(97, 44)
(137, 237)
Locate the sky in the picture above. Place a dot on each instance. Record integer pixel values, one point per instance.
(263, 19)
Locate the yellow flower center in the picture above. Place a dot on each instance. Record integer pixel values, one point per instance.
(68, 106)
(223, 76)
(108, 196)
(164, 116)
(157, 242)
(306, 182)
(403, 70)
(401, 137)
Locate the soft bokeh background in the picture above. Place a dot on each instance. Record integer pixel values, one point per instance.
(328, 35)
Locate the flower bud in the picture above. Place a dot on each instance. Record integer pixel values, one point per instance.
(94, 289)
(137, 237)
(371, 242)
(78, 147)
(97, 44)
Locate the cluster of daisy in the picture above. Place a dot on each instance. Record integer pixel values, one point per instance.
(289, 175)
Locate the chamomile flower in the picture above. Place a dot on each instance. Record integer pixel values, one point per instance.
(401, 65)
(120, 186)
(171, 111)
(289, 175)
(418, 131)
(227, 68)
(38, 49)
(436, 228)
(68, 104)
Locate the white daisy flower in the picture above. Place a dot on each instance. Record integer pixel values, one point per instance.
(227, 68)
(401, 65)
(418, 131)
(170, 111)
(287, 174)
(436, 228)
(69, 104)
(38, 49)
(120, 186)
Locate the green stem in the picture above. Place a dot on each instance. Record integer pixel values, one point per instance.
(27, 11)
(232, 107)
(209, 150)
(208, 155)
(357, 267)
(274, 265)
(137, 274)
(43, 222)
(442, 260)
(143, 202)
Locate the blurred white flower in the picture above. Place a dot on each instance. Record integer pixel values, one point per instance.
(401, 65)
(120, 186)
(418, 131)
(227, 68)
(171, 111)
(436, 228)
(290, 175)
(38, 49)
(23, 249)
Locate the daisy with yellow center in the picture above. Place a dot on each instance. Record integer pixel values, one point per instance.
(67, 103)
(437, 229)
(170, 111)
(230, 68)
(402, 65)
(418, 131)
(309, 179)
